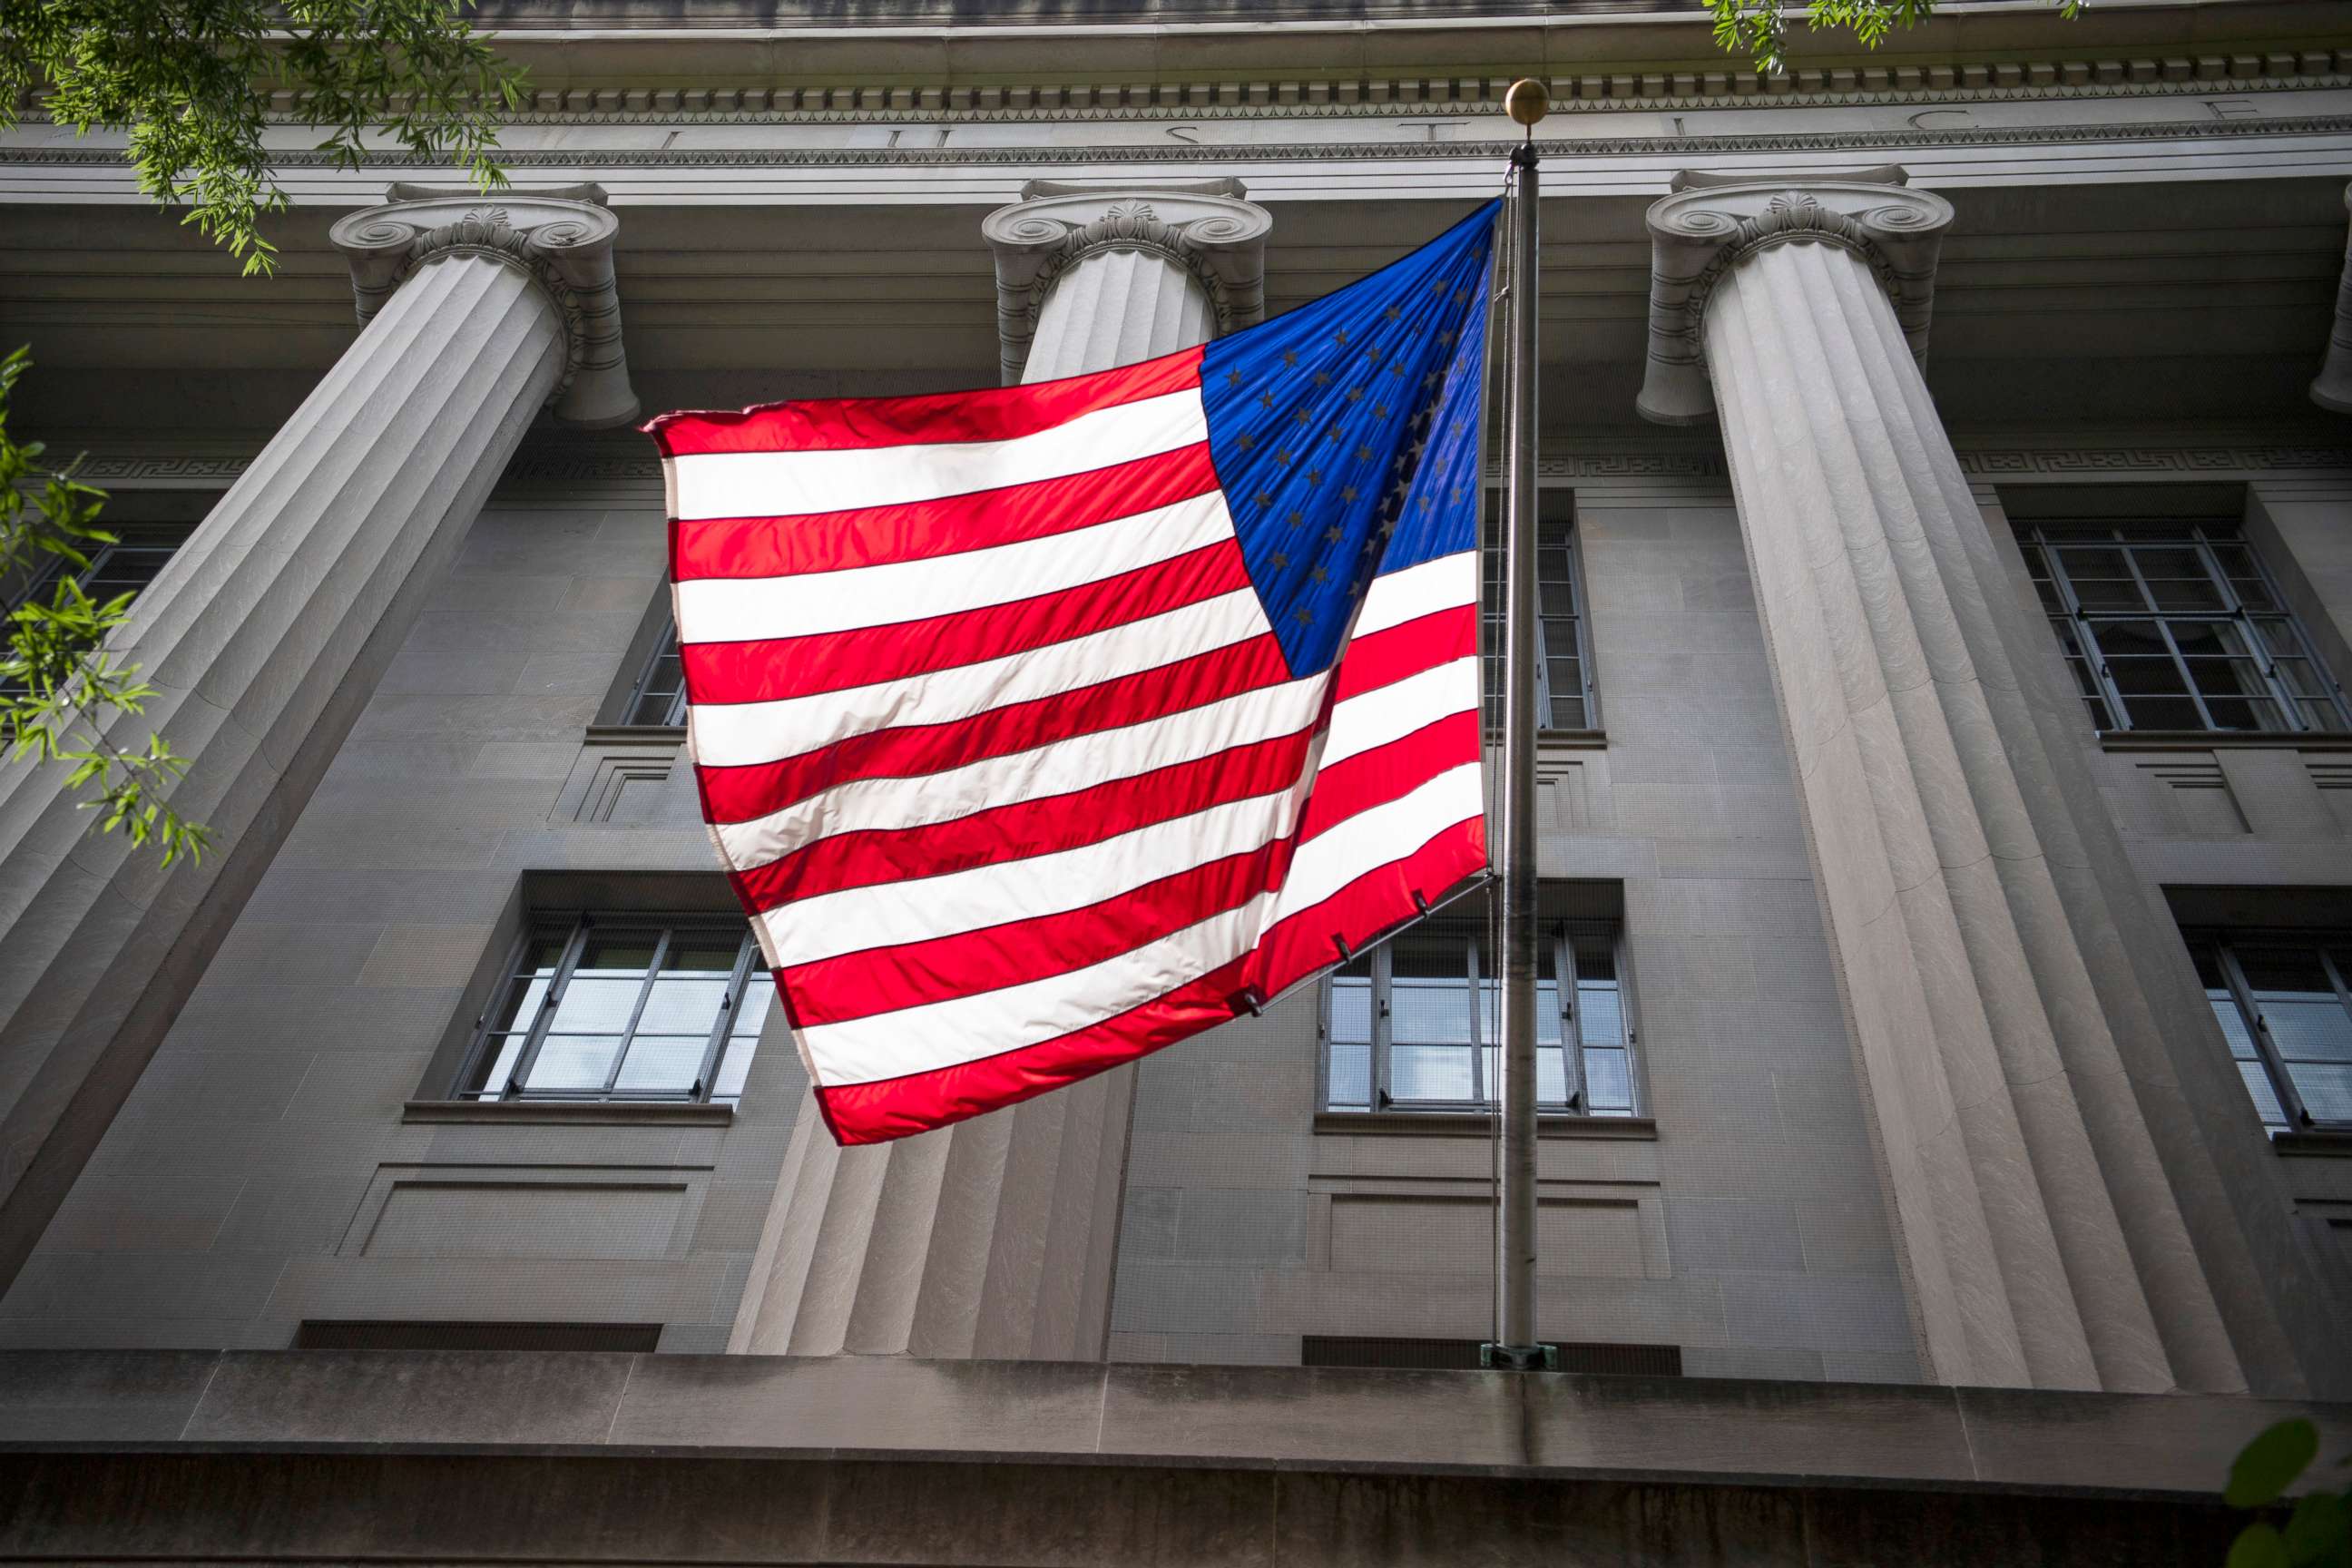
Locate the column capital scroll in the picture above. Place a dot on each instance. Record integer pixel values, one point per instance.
(1701, 232)
(561, 239)
(1203, 226)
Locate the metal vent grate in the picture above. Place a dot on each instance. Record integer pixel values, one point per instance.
(1352, 1350)
(389, 1334)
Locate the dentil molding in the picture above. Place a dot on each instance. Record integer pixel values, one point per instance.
(560, 239)
(1204, 228)
(1712, 225)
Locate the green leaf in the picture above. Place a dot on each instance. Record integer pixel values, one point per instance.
(2258, 1546)
(2269, 1465)
(2320, 1530)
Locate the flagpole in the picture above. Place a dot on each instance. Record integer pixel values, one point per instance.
(1516, 1345)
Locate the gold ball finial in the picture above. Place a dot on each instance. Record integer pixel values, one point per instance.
(1527, 101)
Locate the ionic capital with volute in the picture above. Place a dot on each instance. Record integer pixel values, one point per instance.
(1203, 227)
(1714, 223)
(561, 239)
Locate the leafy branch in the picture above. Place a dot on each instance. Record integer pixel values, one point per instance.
(190, 82)
(2316, 1533)
(1759, 28)
(59, 687)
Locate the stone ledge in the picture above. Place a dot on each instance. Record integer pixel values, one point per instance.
(570, 1112)
(1548, 1427)
(1469, 1124)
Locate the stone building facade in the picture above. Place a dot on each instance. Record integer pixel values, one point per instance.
(1947, 822)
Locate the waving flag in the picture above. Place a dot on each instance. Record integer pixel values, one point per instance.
(1044, 726)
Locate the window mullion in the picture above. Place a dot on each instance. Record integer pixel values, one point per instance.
(573, 947)
(1573, 552)
(644, 993)
(2258, 1030)
(1571, 1023)
(739, 981)
(1381, 975)
(1479, 1094)
(2187, 676)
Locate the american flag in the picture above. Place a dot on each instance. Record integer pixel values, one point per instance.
(1044, 726)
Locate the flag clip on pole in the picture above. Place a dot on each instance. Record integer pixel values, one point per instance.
(1516, 1345)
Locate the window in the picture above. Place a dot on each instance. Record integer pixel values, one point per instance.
(2174, 625)
(125, 566)
(1563, 680)
(2287, 1014)
(623, 1008)
(659, 696)
(1400, 1031)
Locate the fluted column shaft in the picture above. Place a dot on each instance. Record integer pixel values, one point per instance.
(2332, 387)
(1975, 936)
(266, 636)
(998, 1238)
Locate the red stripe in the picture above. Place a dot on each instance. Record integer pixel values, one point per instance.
(883, 980)
(1298, 947)
(1390, 654)
(1389, 773)
(995, 414)
(1301, 943)
(917, 530)
(743, 794)
(1025, 828)
(777, 668)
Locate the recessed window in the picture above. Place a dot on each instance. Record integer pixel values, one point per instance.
(1414, 1023)
(2174, 625)
(2284, 1008)
(596, 1008)
(1564, 698)
(125, 566)
(658, 698)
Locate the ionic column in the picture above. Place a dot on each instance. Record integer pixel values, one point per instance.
(1972, 886)
(266, 632)
(998, 1238)
(2332, 387)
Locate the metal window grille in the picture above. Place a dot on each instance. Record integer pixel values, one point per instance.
(1564, 695)
(623, 1008)
(659, 696)
(1412, 1024)
(125, 566)
(2173, 625)
(2284, 1008)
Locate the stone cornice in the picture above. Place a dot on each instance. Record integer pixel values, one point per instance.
(561, 241)
(1682, 147)
(2153, 72)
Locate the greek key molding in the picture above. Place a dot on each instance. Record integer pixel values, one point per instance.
(561, 241)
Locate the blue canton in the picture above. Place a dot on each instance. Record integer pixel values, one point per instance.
(1345, 433)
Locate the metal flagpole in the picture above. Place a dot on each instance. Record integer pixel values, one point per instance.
(1516, 1345)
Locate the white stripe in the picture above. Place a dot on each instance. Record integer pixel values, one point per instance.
(790, 484)
(734, 733)
(966, 1028)
(1417, 590)
(885, 914)
(1058, 768)
(740, 609)
(1378, 835)
(1391, 713)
